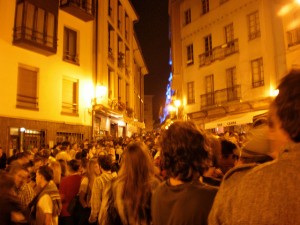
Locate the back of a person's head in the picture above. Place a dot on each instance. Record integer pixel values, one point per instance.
(105, 162)
(73, 165)
(6, 183)
(287, 104)
(46, 172)
(136, 162)
(183, 150)
(227, 148)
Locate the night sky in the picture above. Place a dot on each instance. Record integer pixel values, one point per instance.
(152, 32)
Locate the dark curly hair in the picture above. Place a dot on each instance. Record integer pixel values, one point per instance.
(46, 172)
(287, 104)
(183, 151)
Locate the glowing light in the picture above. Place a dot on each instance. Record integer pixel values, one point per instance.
(297, 2)
(177, 103)
(101, 91)
(274, 93)
(285, 9)
(171, 108)
(22, 129)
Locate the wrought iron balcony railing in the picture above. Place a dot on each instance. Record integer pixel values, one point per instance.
(220, 97)
(219, 53)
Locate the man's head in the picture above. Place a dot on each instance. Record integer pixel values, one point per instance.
(105, 162)
(20, 174)
(44, 175)
(183, 151)
(287, 105)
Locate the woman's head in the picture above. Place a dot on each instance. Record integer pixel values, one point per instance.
(56, 167)
(93, 168)
(136, 161)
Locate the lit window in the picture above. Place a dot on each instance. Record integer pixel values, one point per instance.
(27, 88)
(70, 96)
(257, 72)
(253, 25)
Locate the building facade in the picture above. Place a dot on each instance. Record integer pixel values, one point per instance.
(149, 112)
(54, 57)
(228, 57)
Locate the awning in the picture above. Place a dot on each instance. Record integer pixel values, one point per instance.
(233, 120)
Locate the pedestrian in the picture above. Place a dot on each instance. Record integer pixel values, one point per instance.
(182, 199)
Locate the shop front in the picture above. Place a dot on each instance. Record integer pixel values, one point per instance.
(233, 123)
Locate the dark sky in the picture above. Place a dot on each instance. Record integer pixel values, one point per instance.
(152, 32)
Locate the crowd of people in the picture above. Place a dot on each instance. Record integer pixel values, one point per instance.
(179, 176)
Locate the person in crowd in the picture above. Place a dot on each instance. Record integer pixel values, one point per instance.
(23, 190)
(55, 166)
(256, 150)
(269, 193)
(46, 205)
(228, 158)
(213, 175)
(105, 163)
(2, 159)
(182, 198)
(69, 188)
(10, 206)
(130, 193)
(85, 191)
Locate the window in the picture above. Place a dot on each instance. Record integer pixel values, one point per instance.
(208, 45)
(70, 96)
(257, 72)
(187, 17)
(110, 8)
(232, 90)
(36, 25)
(293, 37)
(110, 43)
(127, 94)
(120, 15)
(231, 77)
(27, 88)
(119, 88)
(229, 34)
(70, 46)
(190, 93)
(190, 55)
(110, 83)
(205, 6)
(209, 89)
(253, 25)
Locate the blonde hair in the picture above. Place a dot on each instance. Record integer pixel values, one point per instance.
(55, 165)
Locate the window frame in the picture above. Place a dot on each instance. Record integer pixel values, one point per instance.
(253, 25)
(68, 35)
(24, 100)
(74, 109)
(189, 54)
(187, 16)
(205, 6)
(259, 82)
(190, 92)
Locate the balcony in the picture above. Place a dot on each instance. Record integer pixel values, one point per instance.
(220, 97)
(35, 26)
(219, 53)
(82, 9)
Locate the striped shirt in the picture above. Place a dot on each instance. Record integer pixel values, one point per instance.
(98, 187)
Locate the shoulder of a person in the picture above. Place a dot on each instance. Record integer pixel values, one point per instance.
(239, 169)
